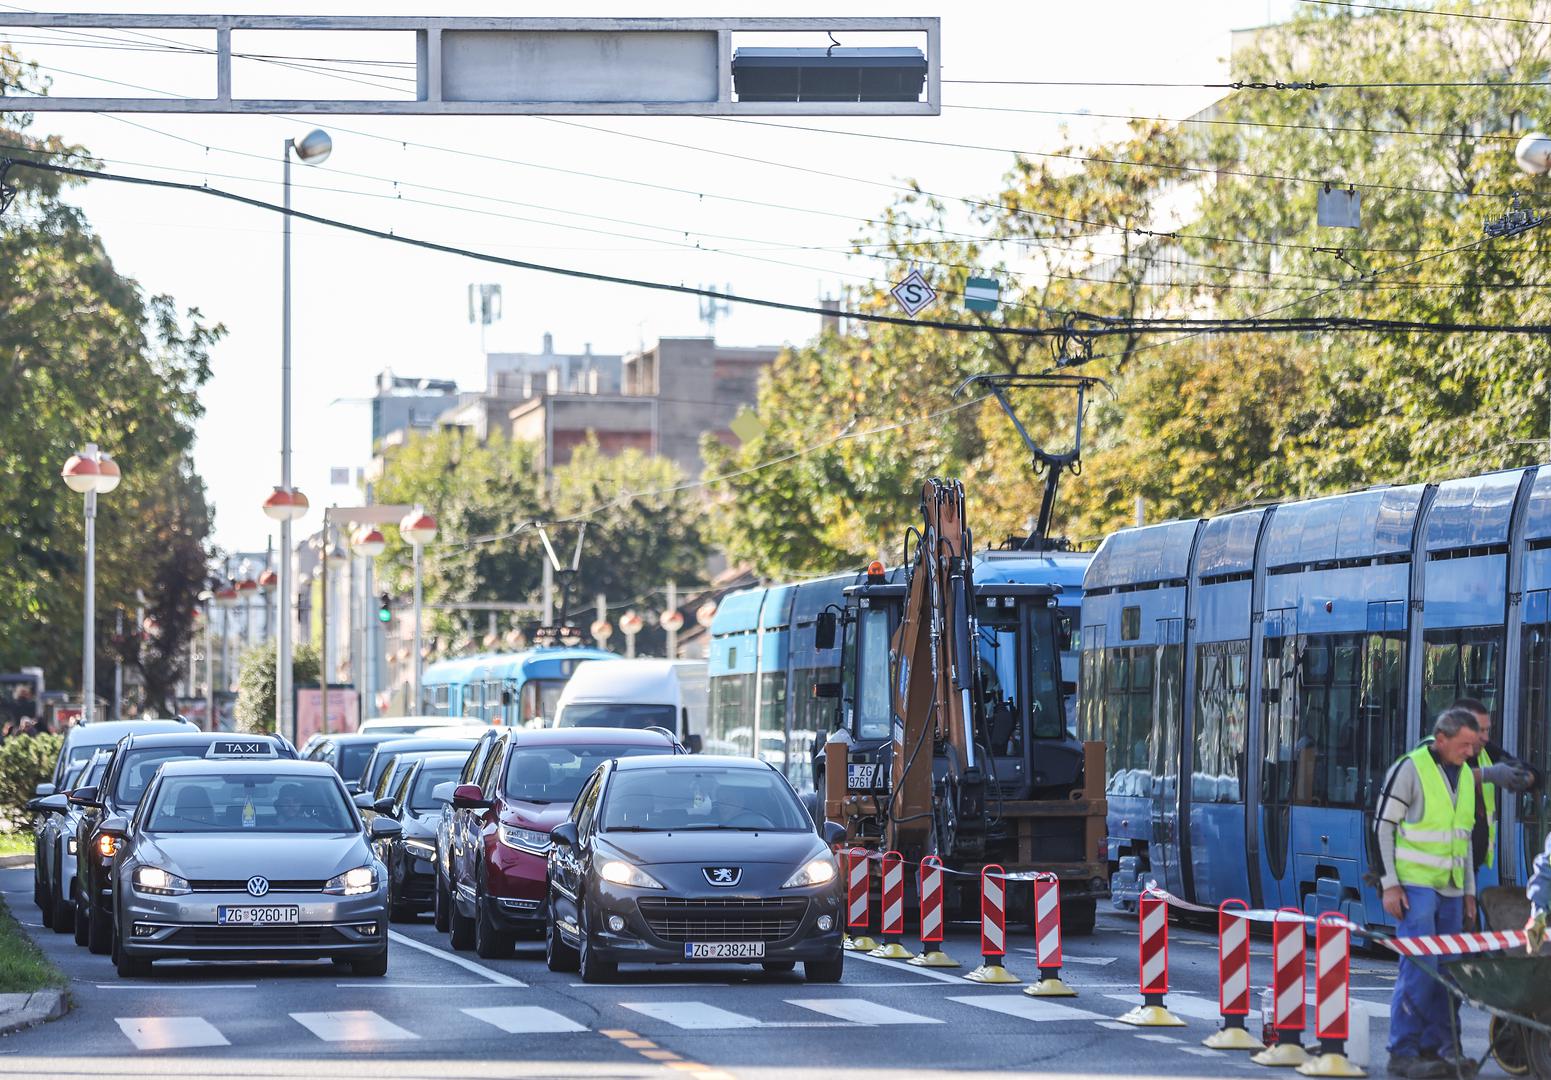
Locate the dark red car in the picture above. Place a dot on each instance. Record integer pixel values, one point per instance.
(516, 788)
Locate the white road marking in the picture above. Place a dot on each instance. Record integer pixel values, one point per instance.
(525, 1019)
(453, 958)
(860, 1011)
(158, 987)
(379, 985)
(895, 965)
(1181, 1004)
(691, 1015)
(170, 1032)
(353, 1025)
(1202, 1051)
(1028, 1008)
(1115, 1025)
(1160, 1038)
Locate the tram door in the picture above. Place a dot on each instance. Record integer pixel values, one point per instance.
(1167, 711)
(1279, 763)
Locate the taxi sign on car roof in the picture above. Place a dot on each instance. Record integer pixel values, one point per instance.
(241, 748)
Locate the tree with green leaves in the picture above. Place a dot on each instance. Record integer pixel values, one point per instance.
(255, 710)
(87, 356)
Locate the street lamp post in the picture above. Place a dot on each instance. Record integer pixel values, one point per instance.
(90, 472)
(285, 505)
(313, 148)
(206, 598)
(419, 528)
(368, 543)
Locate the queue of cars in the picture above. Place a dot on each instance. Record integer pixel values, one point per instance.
(611, 844)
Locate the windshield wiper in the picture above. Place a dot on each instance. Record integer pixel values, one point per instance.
(725, 828)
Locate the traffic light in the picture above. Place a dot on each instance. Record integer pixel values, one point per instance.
(384, 608)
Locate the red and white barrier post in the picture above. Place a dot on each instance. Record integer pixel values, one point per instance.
(858, 888)
(929, 888)
(1287, 990)
(1047, 938)
(1332, 998)
(892, 921)
(993, 927)
(1233, 979)
(1153, 962)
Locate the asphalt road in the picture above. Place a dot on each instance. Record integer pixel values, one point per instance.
(442, 1014)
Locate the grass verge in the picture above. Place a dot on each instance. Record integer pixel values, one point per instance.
(23, 967)
(16, 843)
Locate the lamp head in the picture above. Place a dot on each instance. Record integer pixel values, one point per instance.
(314, 147)
(1534, 153)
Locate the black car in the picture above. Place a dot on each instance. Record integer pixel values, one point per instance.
(348, 752)
(411, 856)
(383, 754)
(688, 859)
(134, 766)
(55, 840)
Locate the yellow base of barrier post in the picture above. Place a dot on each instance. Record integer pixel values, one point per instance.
(933, 958)
(862, 944)
(992, 973)
(891, 950)
(1050, 987)
(1151, 1016)
(1233, 1037)
(1282, 1055)
(1334, 1064)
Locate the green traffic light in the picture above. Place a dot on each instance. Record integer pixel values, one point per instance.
(384, 615)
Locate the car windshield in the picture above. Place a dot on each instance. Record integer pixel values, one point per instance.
(547, 774)
(705, 797)
(250, 801)
(420, 801)
(622, 714)
(140, 767)
(352, 758)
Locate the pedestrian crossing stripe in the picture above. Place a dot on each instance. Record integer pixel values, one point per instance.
(525, 1019)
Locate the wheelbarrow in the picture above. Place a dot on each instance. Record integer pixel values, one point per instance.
(1512, 982)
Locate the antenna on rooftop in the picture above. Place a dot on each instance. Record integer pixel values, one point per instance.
(713, 308)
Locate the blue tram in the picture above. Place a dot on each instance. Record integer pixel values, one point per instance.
(763, 663)
(520, 688)
(1255, 674)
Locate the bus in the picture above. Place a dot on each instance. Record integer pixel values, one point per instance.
(515, 688)
(1254, 675)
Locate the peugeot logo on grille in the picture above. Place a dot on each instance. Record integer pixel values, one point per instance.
(258, 886)
(725, 876)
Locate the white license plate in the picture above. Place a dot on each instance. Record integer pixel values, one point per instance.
(268, 915)
(724, 950)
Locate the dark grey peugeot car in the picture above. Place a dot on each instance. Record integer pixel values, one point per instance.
(692, 859)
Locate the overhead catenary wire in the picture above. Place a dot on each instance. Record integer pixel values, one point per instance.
(1429, 11)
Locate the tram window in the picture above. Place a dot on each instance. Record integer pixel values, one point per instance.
(810, 716)
(1222, 701)
(1130, 623)
(772, 718)
(1535, 732)
(730, 723)
(540, 700)
(1461, 663)
(1127, 726)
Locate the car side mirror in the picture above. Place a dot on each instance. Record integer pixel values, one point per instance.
(44, 790)
(442, 792)
(116, 825)
(85, 796)
(824, 630)
(564, 833)
(469, 797)
(834, 833)
(363, 800)
(384, 805)
(385, 828)
(51, 804)
(353, 786)
(829, 690)
(694, 743)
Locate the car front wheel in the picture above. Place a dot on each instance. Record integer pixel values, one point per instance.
(824, 971)
(99, 931)
(373, 966)
(460, 928)
(593, 969)
(558, 956)
(129, 967)
(441, 905)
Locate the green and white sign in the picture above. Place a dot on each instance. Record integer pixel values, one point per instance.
(982, 294)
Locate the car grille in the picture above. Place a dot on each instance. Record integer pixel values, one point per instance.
(221, 885)
(237, 936)
(723, 918)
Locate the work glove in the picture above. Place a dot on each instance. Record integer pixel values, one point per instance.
(1508, 776)
(1535, 930)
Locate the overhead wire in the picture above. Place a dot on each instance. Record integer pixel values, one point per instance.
(1429, 11)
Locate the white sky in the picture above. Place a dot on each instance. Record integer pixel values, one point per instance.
(362, 305)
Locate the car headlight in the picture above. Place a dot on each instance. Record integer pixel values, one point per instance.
(622, 873)
(155, 880)
(820, 871)
(362, 879)
(70, 845)
(530, 840)
(420, 849)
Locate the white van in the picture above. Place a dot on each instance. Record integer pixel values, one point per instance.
(669, 694)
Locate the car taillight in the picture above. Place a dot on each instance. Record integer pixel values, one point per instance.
(107, 846)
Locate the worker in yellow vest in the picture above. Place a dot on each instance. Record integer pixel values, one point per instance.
(1425, 819)
(1495, 769)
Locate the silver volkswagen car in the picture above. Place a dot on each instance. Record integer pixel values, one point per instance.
(248, 860)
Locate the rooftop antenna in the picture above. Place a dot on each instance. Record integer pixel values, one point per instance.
(484, 309)
(713, 307)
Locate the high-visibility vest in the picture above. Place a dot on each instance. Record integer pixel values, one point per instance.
(1434, 852)
(1488, 800)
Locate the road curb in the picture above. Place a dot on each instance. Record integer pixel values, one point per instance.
(19, 1011)
(12, 862)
